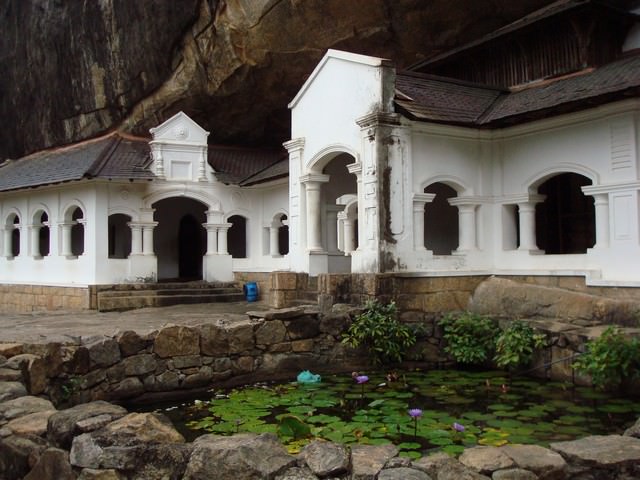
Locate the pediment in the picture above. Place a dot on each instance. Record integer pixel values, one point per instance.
(180, 129)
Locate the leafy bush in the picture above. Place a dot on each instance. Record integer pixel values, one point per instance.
(610, 359)
(379, 331)
(469, 337)
(516, 344)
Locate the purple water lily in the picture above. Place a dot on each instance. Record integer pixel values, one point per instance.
(457, 427)
(362, 379)
(415, 413)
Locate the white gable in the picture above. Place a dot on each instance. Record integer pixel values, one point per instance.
(179, 148)
(180, 129)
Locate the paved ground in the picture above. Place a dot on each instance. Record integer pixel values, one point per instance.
(70, 326)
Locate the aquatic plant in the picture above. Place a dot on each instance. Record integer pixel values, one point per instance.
(610, 359)
(378, 330)
(516, 345)
(415, 414)
(469, 337)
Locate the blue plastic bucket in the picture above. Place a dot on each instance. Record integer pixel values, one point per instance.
(251, 291)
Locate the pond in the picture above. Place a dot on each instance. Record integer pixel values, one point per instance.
(451, 410)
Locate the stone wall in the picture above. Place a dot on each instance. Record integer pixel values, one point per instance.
(233, 349)
(37, 298)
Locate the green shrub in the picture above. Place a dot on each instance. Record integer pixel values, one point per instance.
(516, 344)
(469, 337)
(610, 359)
(379, 331)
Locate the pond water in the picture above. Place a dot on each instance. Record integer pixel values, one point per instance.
(458, 409)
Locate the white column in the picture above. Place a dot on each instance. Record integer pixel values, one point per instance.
(467, 224)
(313, 184)
(601, 204)
(332, 227)
(527, 214)
(212, 238)
(419, 202)
(147, 238)
(65, 250)
(202, 174)
(273, 241)
(8, 237)
(35, 241)
(356, 169)
(349, 236)
(136, 238)
(222, 238)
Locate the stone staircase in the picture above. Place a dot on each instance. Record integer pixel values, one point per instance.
(140, 295)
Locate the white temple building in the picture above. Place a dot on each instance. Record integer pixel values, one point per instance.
(480, 161)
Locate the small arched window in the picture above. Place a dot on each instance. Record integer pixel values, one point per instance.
(77, 232)
(12, 236)
(42, 235)
(441, 220)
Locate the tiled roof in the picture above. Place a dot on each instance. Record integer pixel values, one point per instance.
(428, 97)
(112, 156)
(438, 99)
(235, 165)
(618, 79)
(273, 172)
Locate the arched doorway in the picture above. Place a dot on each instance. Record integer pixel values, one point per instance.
(237, 236)
(441, 229)
(179, 239)
(565, 221)
(190, 248)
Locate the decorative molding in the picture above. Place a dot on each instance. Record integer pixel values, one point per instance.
(377, 119)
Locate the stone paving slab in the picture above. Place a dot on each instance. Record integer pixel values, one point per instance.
(69, 327)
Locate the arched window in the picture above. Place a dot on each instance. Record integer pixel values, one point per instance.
(41, 235)
(237, 236)
(77, 232)
(441, 231)
(119, 235)
(565, 221)
(12, 236)
(283, 236)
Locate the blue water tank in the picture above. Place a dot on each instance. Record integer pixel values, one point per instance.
(251, 291)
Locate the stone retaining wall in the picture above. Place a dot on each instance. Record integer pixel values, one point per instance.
(236, 348)
(38, 298)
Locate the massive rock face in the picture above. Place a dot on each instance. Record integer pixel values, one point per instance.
(73, 70)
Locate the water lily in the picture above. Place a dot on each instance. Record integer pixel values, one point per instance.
(362, 379)
(415, 413)
(457, 427)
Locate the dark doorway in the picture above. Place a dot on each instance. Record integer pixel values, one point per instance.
(190, 246)
(565, 221)
(237, 236)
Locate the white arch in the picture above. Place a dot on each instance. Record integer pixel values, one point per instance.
(238, 211)
(70, 207)
(13, 211)
(212, 203)
(38, 209)
(277, 216)
(450, 180)
(533, 182)
(322, 158)
(130, 212)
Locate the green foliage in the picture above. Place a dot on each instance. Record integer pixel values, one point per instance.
(469, 337)
(610, 359)
(516, 344)
(379, 331)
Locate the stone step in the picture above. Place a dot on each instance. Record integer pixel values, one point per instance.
(199, 285)
(130, 302)
(167, 292)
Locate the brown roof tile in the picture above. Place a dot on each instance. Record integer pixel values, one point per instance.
(234, 165)
(112, 156)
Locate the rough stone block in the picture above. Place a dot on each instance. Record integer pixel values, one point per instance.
(177, 340)
(271, 332)
(214, 340)
(302, 345)
(103, 351)
(139, 364)
(10, 349)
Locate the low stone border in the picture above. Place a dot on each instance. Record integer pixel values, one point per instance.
(99, 440)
